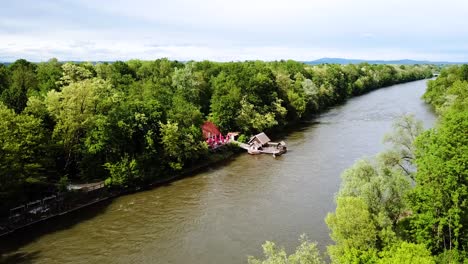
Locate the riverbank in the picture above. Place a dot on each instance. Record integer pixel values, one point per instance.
(83, 200)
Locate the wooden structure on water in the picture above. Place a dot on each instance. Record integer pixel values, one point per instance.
(261, 144)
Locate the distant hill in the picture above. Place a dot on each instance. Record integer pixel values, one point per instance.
(356, 61)
(324, 61)
(92, 62)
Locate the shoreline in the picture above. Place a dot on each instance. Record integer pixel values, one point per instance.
(223, 156)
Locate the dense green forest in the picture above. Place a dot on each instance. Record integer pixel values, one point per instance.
(409, 204)
(129, 123)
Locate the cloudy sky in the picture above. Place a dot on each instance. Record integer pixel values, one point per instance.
(225, 30)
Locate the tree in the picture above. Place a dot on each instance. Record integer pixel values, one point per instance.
(186, 84)
(378, 191)
(4, 79)
(181, 145)
(75, 109)
(407, 253)
(225, 103)
(297, 102)
(464, 72)
(250, 120)
(306, 253)
(124, 173)
(444, 91)
(22, 81)
(456, 97)
(311, 92)
(48, 76)
(353, 231)
(24, 155)
(405, 131)
(439, 199)
(118, 73)
(184, 113)
(73, 73)
(382, 189)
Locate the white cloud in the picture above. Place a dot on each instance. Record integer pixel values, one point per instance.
(40, 50)
(235, 30)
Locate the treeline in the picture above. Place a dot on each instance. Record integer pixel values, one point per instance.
(129, 123)
(410, 203)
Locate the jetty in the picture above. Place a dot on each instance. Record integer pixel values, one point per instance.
(261, 144)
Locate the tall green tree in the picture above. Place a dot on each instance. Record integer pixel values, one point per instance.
(23, 80)
(48, 75)
(75, 110)
(407, 253)
(439, 200)
(306, 253)
(181, 145)
(225, 102)
(405, 131)
(187, 83)
(353, 231)
(24, 156)
(4, 78)
(72, 73)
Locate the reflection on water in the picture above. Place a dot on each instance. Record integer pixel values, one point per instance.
(225, 213)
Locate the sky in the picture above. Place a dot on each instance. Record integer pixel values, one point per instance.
(226, 30)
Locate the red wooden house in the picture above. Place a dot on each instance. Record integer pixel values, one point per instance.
(210, 130)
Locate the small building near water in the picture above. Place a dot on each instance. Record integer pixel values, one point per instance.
(213, 136)
(259, 140)
(261, 143)
(210, 130)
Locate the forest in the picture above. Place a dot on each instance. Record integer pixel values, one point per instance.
(131, 123)
(408, 204)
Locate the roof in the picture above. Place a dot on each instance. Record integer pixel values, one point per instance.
(209, 129)
(262, 138)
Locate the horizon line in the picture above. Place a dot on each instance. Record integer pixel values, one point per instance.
(425, 61)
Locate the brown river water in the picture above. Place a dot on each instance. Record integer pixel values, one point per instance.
(225, 213)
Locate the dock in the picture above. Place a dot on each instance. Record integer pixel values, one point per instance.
(242, 145)
(261, 144)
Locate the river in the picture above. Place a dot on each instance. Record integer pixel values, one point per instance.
(225, 213)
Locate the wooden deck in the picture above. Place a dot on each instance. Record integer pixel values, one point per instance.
(264, 150)
(272, 150)
(242, 145)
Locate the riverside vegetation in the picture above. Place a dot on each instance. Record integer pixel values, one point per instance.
(131, 123)
(409, 204)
